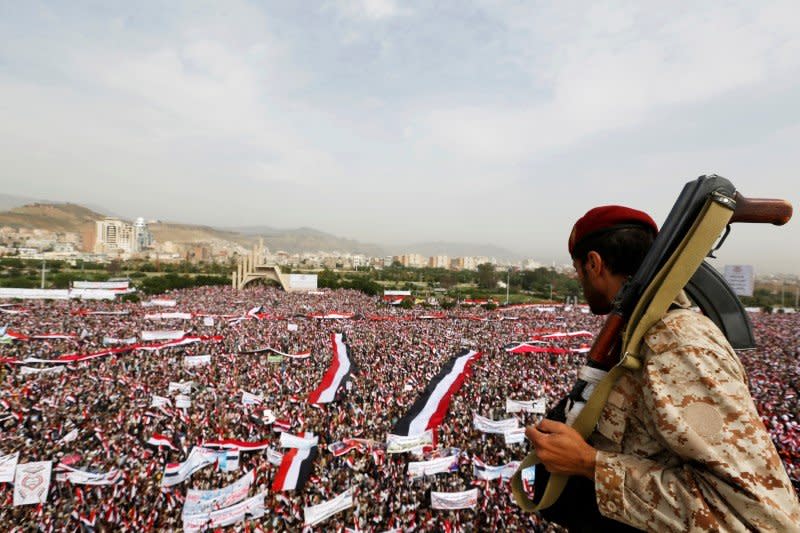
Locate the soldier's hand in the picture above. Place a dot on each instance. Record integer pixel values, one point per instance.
(561, 449)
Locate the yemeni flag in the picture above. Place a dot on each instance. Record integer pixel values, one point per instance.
(235, 444)
(295, 468)
(6, 336)
(431, 406)
(337, 373)
(161, 440)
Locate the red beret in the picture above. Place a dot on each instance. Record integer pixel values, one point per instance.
(607, 217)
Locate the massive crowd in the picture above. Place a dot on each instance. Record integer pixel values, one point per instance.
(108, 401)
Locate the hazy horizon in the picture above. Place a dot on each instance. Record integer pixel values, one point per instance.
(399, 122)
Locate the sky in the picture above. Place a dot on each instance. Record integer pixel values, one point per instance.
(393, 122)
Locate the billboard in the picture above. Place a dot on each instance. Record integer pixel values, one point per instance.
(303, 282)
(741, 279)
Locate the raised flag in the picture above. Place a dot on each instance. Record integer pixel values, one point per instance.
(431, 406)
(336, 374)
(80, 477)
(235, 444)
(295, 469)
(176, 473)
(160, 440)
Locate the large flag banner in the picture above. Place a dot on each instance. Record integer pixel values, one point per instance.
(164, 334)
(295, 469)
(318, 513)
(176, 473)
(190, 361)
(204, 501)
(527, 406)
(487, 425)
(32, 482)
(8, 465)
(336, 374)
(408, 443)
(431, 406)
(80, 477)
(467, 499)
(442, 465)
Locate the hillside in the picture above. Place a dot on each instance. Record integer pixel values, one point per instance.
(168, 231)
(308, 240)
(51, 217)
(67, 217)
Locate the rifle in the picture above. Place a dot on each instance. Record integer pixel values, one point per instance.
(704, 208)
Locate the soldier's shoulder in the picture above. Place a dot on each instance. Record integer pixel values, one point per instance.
(684, 327)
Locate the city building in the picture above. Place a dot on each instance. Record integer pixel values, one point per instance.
(439, 261)
(113, 235)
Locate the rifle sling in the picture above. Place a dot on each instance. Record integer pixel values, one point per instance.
(652, 305)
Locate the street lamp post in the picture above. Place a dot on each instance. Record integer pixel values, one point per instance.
(508, 283)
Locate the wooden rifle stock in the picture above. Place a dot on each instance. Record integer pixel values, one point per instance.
(761, 210)
(603, 352)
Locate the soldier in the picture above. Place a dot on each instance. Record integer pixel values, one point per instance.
(679, 445)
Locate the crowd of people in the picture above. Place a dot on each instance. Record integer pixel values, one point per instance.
(105, 404)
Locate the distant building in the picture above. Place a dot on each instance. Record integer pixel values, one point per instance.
(113, 235)
(412, 260)
(464, 263)
(439, 261)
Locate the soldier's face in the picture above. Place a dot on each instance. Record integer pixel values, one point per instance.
(596, 298)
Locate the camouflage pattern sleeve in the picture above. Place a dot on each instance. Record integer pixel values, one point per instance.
(703, 459)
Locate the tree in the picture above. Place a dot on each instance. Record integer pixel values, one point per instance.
(487, 277)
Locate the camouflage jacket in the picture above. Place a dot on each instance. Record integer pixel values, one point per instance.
(681, 445)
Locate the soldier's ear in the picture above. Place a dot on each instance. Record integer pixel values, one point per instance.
(593, 263)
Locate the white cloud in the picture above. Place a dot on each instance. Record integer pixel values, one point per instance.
(369, 9)
(603, 74)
